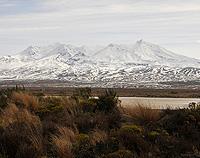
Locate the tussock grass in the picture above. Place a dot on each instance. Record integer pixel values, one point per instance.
(81, 127)
(21, 134)
(63, 141)
(143, 113)
(98, 136)
(25, 100)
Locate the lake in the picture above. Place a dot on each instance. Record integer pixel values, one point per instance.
(158, 103)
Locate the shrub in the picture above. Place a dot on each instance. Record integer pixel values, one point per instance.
(107, 121)
(153, 135)
(83, 147)
(172, 147)
(88, 105)
(120, 154)
(107, 102)
(85, 122)
(21, 134)
(25, 100)
(194, 106)
(132, 139)
(5, 95)
(56, 112)
(50, 105)
(63, 141)
(143, 114)
(82, 94)
(3, 155)
(83, 138)
(131, 129)
(98, 136)
(59, 110)
(104, 133)
(183, 123)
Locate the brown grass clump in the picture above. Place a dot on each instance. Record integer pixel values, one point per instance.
(21, 133)
(142, 113)
(98, 136)
(25, 100)
(63, 141)
(7, 114)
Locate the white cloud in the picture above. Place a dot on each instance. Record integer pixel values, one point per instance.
(22, 29)
(171, 23)
(162, 8)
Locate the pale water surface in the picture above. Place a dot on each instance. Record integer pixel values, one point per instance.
(158, 103)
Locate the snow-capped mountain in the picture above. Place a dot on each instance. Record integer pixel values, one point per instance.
(112, 65)
(144, 53)
(155, 54)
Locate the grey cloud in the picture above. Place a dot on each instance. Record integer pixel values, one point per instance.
(174, 23)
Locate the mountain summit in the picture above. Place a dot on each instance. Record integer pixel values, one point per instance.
(144, 53)
(155, 54)
(113, 64)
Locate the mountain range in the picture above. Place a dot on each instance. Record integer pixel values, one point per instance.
(114, 65)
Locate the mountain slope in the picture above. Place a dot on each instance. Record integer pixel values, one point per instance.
(160, 56)
(116, 54)
(144, 53)
(113, 65)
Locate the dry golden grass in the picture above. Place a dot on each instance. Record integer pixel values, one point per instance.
(7, 115)
(63, 141)
(25, 100)
(12, 114)
(143, 113)
(21, 132)
(98, 136)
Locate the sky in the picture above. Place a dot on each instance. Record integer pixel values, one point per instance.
(173, 24)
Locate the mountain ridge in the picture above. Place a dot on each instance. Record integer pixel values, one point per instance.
(142, 62)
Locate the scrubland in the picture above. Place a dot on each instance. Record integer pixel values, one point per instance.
(81, 126)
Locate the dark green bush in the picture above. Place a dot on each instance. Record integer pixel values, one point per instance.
(172, 147)
(109, 132)
(83, 148)
(183, 123)
(3, 155)
(85, 122)
(108, 121)
(82, 94)
(107, 102)
(5, 95)
(153, 135)
(131, 129)
(131, 138)
(88, 105)
(51, 105)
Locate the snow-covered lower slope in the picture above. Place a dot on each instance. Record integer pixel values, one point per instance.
(114, 64)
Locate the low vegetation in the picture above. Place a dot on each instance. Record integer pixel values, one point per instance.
(82, 126)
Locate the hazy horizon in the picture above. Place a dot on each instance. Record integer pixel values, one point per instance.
(172, 24)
